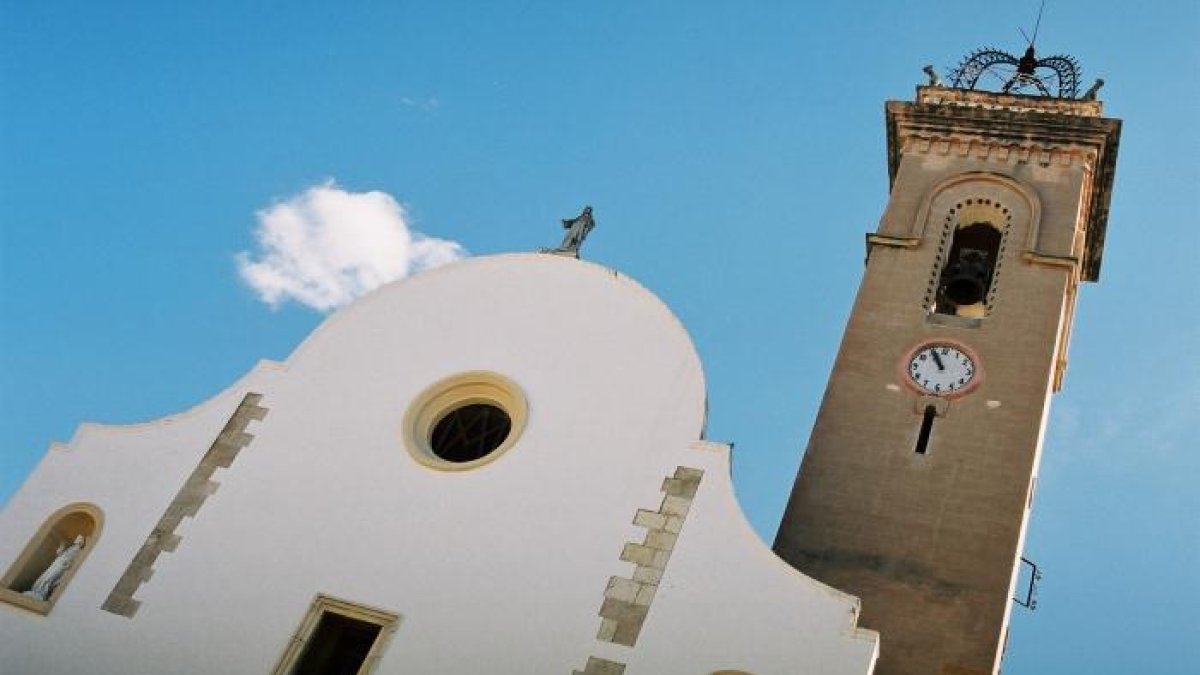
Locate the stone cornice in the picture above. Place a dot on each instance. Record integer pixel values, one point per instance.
(1066, 262)
(874, 239)
(1013, 129)
(968, 98)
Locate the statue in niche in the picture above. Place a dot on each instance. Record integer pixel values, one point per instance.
(64, 557)
(577, 230)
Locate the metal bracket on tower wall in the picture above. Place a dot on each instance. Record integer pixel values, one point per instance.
(1035, 575)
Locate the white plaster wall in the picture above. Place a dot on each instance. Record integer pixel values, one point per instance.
(131, 473)
(500, 569)
(738, 606)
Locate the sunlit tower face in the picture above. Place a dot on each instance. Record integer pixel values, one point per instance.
(915, 486)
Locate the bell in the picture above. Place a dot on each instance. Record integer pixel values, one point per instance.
(966, 281)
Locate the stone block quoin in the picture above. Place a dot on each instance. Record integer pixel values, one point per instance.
(187, 502)
(627, 599)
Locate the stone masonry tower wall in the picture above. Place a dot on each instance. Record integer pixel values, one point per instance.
(914, 499)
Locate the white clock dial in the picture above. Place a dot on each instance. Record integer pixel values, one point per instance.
(941, 369)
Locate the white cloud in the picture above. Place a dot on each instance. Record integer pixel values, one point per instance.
(326, 246)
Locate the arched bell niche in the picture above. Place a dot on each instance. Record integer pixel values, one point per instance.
(969, 257)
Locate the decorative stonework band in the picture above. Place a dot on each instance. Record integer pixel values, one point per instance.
(187, 502)
(627, 600)
(1000, 151)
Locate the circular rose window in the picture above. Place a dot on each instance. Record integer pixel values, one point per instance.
(465, 421)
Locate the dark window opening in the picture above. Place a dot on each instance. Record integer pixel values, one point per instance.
(967, 277)
(926, 429)
(470, 432)
(338, 646)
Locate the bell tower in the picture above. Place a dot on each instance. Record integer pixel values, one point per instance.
(917, 482)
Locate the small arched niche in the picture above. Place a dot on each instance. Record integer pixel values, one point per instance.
(44, 569)
(969, 258)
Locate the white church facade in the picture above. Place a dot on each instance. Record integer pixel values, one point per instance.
(334, 513)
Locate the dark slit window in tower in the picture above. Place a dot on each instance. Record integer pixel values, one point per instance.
(470, 432)
(338, 646)
(967, 277)
(926, 429)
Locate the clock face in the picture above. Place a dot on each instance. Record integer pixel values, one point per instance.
(941, 369)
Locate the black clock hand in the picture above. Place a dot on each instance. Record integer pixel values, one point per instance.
(937, 359)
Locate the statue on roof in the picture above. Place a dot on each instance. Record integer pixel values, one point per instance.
(934, 79)
(577, 230)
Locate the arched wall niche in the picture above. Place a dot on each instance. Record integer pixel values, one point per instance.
(57, 533)
(1022, 201)
(970, 223)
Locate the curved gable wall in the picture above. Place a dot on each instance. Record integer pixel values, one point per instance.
(519, 554)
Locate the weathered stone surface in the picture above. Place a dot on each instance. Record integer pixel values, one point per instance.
(639, 555)
(661, 540)
(651, 519)
(620, 588)
(675, 506)
(647, 575)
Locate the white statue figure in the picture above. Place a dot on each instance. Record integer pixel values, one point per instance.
(65, 557)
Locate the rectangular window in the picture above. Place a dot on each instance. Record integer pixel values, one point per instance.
(926, 429)
(338, 637)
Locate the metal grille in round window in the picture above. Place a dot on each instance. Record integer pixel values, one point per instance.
(470, 432)
(465, 421)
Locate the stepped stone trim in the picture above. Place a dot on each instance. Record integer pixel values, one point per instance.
(627, 600)
(187, 503)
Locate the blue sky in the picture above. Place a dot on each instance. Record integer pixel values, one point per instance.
(734, 154)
